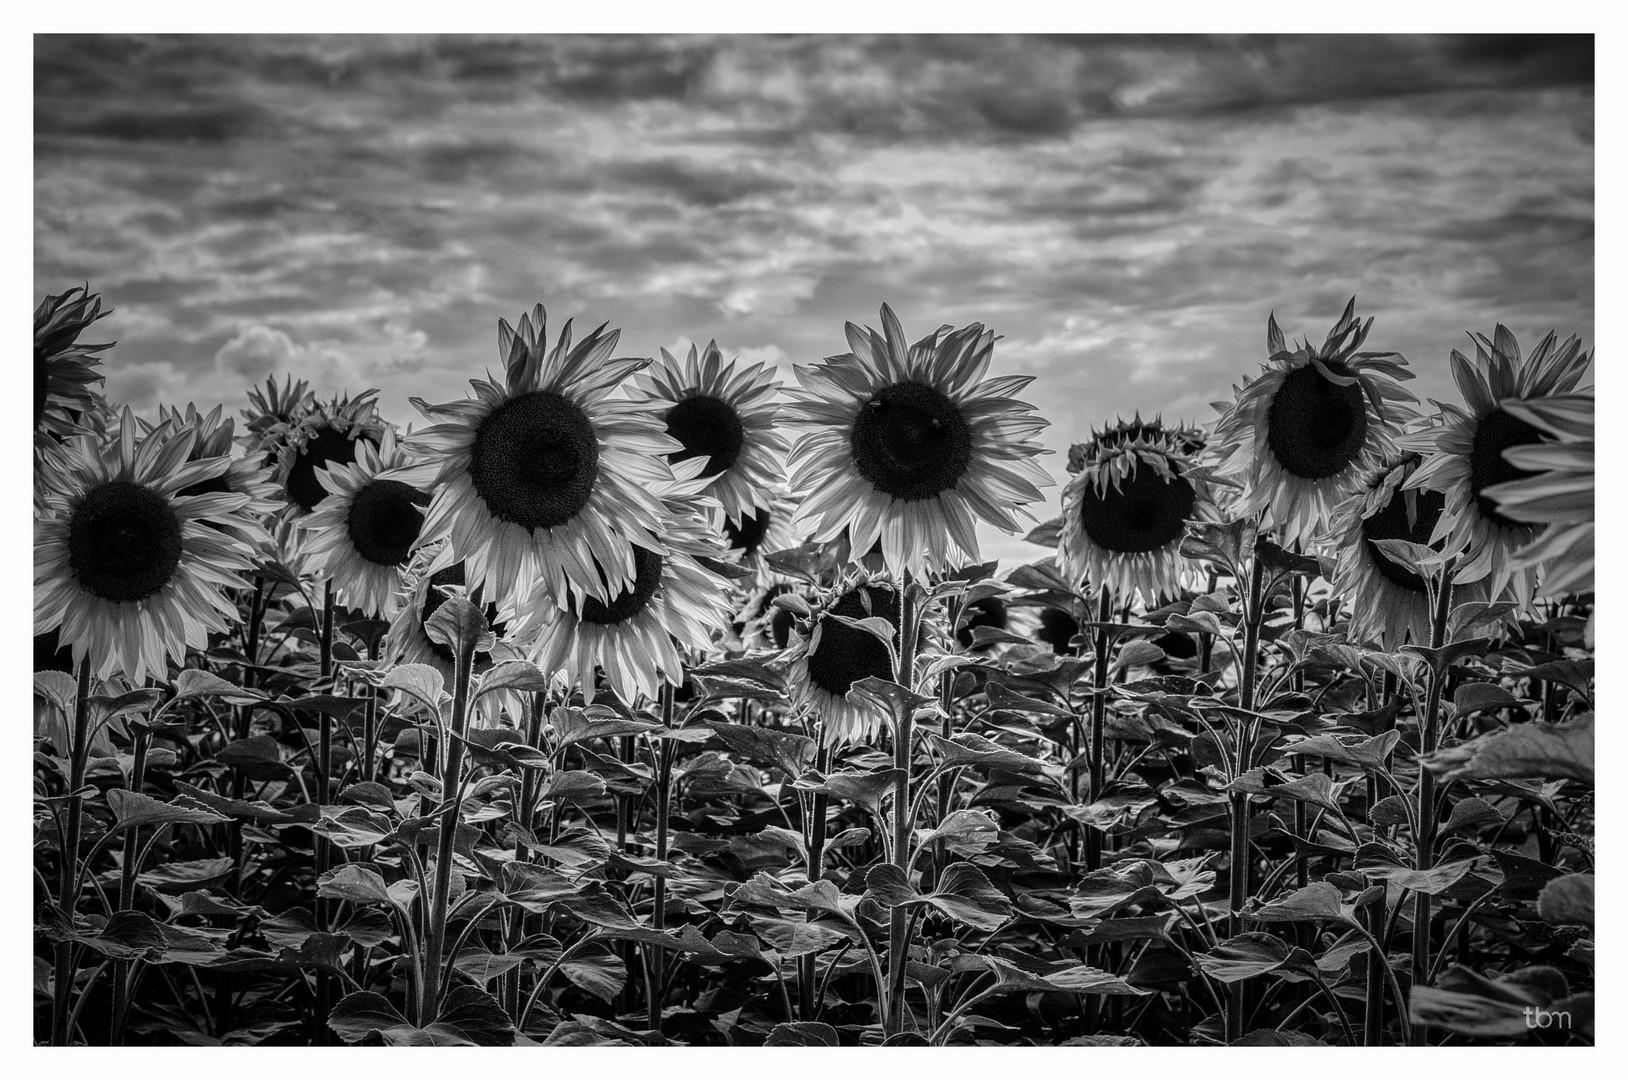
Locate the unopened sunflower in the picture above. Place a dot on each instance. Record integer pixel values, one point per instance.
(729, 417)
(64, 367)
(1465, 452)
(363, 533)
(638, 637)
(544, 475)
(908, 444)
(1302, 435)
(1125, 512)
(130, 571)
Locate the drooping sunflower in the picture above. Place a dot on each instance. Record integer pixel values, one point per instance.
(64, 368)
(1125, 512)
(731, 418)
(1465, 452)
(272, 415)
(130, 569)
(1188, 439)
(1557, 493)
(637, 638)
(543, 475)
(1386, 601)
(363, 534)
(1301, 436)
(826, 657)
(326, 434)
(246, 475)
(907, 444)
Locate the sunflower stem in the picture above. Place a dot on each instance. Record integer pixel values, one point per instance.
(1429, 737)
(1238, 802)
(1099, 716)
(62, 982)
(808, 1000)
(658, 913)
(127, 889)
(451, 804)
(903, 823)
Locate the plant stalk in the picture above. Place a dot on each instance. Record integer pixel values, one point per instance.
(903, 823)
(78, 750)
(1429, 738)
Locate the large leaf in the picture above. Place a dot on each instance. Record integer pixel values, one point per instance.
(1252, 954)
(1522, 752)
(1568, 901)
(196, 683)
(803, 1033)
(133, 810)
(963, 893)
(469, 1017)
(356, 883)
(791, 753)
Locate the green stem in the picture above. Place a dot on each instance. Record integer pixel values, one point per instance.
(62, 983)
(451, 804)
(903, 817)
(1429, 737)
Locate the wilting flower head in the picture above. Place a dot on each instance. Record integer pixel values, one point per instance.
(1124, 512)
(1557, 492)
(638, 637)
(828, 656)
(1187, 439)
(1387, 603)
(363, 533)
(543, 475)
(1302, 435)
(730, 418)
(131, 570)
(1466, 452)
(64, 368)
(907, 444)
(326, 434)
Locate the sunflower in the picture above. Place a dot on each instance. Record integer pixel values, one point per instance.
(1125, 512)
(1302, 435)
(431, 571)
(543, 474)
(64, 369)
(826, 657)
(326, 434)
(638, 636)
(760, 530)
(1057, 630)
(761, 623)
(272, 415)
(127, 567)
(247, 475)
(363, 533)
(1185, 438)
(908, 443)
(1557, 491)
(1387, 601)
(732, 419)
(1465, 452)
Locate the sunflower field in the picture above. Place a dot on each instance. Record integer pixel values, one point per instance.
(654, 702)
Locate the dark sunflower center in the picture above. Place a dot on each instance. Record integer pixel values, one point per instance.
(1400, 521)
(534, 460)
(1497, 432)
(630, 601)
(124, 541)
(1316, 427)
(42, 385)
(846, 655)
(911, 442)
(1057, 628)
(990, 611)
(748, 535)
(706, 426)
(433, 599)
(329, 446)
(384, 521)
(1145, 513)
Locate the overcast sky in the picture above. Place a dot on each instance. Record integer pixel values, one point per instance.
(1124, 212)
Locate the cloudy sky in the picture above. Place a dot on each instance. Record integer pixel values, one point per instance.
(1125, 212)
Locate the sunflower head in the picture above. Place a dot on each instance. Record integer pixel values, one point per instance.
(327, 434)
(1125, 512)
(274, 413)
(64, 367)
(1472, 453)
(127, 569)
(1186, 439)
(908, 444)
(1301, 436)
(544, 475)
(1555, 491)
